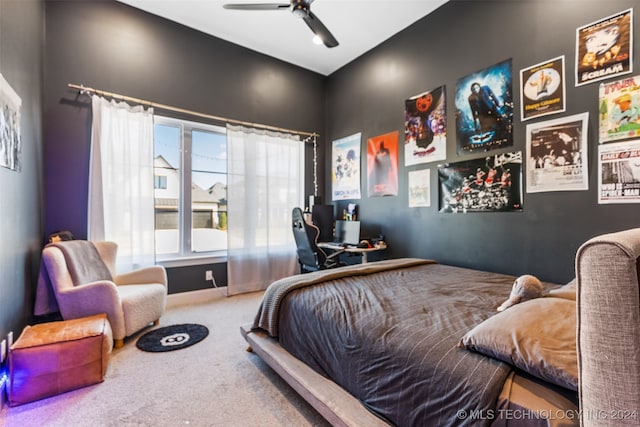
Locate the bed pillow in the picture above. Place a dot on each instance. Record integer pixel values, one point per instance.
(567, 291)
(537, 336)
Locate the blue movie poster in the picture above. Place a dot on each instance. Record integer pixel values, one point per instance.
(345, 167)
(484, 109)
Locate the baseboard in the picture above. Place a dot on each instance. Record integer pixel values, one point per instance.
(193, 297)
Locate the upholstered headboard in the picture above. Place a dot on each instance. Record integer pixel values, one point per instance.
(608, 334)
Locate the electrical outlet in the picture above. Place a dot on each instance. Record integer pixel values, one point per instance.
(208, 275)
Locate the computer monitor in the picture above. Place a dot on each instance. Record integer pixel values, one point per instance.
(347, 232)
(322, 217)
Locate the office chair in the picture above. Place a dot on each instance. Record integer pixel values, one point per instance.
(310, 256)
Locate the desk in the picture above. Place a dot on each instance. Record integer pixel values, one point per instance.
(352, 249)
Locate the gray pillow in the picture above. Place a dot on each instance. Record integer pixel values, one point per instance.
(537, 336)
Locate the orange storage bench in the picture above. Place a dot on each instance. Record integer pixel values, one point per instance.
(51, 358)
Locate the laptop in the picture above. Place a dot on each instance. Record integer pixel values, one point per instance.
(347, 232)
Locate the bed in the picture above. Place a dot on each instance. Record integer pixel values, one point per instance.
(411, 342)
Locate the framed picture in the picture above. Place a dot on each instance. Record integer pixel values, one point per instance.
(619, 172)
(484, 109)
(10, 135)
(542, 89)
(557, 155)
(604, 49)
(420, 188)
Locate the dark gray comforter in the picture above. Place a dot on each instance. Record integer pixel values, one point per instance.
(391, 339)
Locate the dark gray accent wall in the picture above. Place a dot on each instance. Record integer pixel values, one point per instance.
(113, 47)
(460, 38)
(21, 51)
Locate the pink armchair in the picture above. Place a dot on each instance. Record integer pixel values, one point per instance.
(131, 300)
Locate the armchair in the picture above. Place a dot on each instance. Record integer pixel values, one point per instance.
(78, 278)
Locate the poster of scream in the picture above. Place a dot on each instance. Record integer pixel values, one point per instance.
(604, 48)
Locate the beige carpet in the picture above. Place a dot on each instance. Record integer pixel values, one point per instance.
(212, 383)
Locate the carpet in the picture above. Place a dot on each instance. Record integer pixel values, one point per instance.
(174, 337)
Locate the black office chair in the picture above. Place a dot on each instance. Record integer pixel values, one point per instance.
(310, 256)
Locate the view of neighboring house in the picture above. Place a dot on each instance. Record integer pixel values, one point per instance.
(208, 207)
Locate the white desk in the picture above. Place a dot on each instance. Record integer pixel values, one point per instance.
(352, 249)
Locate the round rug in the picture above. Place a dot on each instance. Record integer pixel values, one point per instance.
(174, 337)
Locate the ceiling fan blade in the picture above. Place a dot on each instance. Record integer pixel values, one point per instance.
(256, 6)
(320, 30)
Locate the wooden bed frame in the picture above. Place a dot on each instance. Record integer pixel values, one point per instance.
(608, 310)
(329, 399)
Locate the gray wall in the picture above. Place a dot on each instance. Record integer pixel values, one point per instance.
(116, 48)
(21, 45)
(113, 47)
(460, 38)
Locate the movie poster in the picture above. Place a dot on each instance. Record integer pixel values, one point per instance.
(382, 165)
(488, 184)
(557, 154)
(345, 167)
(425, 127)
(420, 188)
(484, 109)
(619, 172)
(619, 109)
(10, 135)
(542, 89)
(604, 48)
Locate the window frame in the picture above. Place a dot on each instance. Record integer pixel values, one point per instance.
(185, 255)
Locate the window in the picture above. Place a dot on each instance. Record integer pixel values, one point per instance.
(160, 182)
(190, 169)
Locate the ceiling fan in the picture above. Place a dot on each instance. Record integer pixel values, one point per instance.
(301, 9)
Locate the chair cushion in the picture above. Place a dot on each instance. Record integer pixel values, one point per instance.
(141, 305)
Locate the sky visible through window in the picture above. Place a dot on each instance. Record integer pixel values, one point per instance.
(209, 159)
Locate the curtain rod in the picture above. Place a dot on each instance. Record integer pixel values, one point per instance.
(84, 89)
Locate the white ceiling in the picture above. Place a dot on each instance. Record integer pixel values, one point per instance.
(358, 25)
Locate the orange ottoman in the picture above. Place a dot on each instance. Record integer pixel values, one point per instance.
(51, 358)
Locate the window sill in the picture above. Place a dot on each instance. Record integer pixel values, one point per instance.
(217, 258)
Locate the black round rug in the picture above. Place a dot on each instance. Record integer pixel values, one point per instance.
(172, 337)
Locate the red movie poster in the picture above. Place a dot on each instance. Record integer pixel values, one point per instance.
(382, 165)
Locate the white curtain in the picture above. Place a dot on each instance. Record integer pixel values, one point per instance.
(264, 183)
(121, 200)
